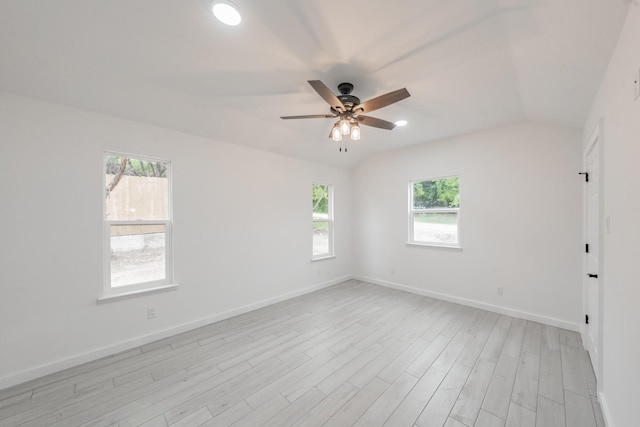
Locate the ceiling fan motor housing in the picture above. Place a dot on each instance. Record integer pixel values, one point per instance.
(345, 97)
(348, 101)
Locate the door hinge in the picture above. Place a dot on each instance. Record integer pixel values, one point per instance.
(586, 247)
(586, 319)
(586, 176)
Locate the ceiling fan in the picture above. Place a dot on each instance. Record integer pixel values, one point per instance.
(350, 111)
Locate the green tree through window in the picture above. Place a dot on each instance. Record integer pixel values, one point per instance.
(440, 193)
(320, 198)
(322, 220)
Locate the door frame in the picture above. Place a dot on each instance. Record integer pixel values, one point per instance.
(594, 137)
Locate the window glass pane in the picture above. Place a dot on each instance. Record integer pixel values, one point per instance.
(320, 201)
(320, 238)
(440, 227)
(437, 193)
(136, 189)
(137, 254)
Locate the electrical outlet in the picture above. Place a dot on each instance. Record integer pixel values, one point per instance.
(636, 85)
(152, 312)
(393, 271)
(500, 290)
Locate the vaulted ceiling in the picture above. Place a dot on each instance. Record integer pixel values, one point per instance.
(468, 64)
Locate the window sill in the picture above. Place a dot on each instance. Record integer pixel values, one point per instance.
(123, 295)
(435, 245)
(324, 258)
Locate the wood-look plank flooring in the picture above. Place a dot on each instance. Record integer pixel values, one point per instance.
(352, 354)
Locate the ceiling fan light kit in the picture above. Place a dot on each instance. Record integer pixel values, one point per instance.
(349, 111)
(345, 127)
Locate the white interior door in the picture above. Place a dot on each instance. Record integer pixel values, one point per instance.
(592, 160)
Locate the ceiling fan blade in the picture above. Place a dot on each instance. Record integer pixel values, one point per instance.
(376, 123)
(327, 95)
(382, 101)
(312, 116)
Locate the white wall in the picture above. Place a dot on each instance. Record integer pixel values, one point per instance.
(521, 228)
(242, 234)
(620, 371)
(520, 221)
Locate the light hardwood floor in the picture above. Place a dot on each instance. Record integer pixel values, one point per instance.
(353, 354)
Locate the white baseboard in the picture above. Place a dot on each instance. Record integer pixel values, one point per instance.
(551, 321)
(606, 413)
(50, 368)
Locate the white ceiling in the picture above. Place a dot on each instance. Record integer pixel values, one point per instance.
(468, 64)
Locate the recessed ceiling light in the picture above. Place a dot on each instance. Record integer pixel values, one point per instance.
(401, 123)
(226, 13)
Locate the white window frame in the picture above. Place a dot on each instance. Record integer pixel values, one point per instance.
(413, 211)
(329, 221)
(111, 292)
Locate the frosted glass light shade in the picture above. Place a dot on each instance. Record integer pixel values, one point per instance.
(355, 132)
(345, 126)
(336, 134)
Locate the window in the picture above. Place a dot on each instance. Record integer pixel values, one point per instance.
(322, 220)
(434, 211)
(137, 225)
